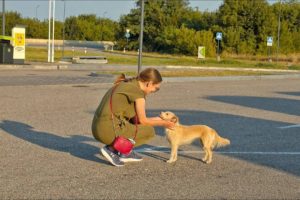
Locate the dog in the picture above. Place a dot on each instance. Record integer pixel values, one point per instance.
(181, 134)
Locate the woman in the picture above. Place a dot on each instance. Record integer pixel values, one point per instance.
(128, 102)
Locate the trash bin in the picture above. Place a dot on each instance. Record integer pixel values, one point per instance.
(6, 50)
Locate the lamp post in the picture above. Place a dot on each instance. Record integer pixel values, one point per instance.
(127, 35)
(3, 17)
(63, 47)
(49, 31)
(36, 10)
(141, 36)
(102, 25)
(53, 31)
(278, 32)
(51, 15)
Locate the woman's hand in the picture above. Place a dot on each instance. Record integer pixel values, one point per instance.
(169, 125)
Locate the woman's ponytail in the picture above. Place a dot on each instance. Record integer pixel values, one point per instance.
(122, 78)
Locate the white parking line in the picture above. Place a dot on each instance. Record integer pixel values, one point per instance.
(291, 126)
(166, 150)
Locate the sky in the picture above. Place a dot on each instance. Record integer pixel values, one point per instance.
(112, 9)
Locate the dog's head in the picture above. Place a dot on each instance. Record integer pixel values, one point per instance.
(169, 116)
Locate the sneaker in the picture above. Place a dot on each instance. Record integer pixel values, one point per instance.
(131, 157)
(112, 157)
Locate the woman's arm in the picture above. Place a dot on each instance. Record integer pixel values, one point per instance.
(140, 105)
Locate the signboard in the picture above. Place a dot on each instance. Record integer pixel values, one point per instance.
(269, 41)
(18, 34)
(19, 39)
(219, 36)
(201, 52)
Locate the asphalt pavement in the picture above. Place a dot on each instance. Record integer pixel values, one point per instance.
(47, 150)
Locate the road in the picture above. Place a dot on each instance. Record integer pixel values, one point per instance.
(47, 150)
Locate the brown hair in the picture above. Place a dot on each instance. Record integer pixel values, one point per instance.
(148, 74)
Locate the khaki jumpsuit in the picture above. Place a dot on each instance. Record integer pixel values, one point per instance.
(123, 108)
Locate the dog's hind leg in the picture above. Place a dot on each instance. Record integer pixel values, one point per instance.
(207, 147)
(173, 156)
(208, 155)
(209, 158)
(204, 159)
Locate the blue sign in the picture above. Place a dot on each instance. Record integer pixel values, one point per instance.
(269, 41)
(127, 35)
(219, 36)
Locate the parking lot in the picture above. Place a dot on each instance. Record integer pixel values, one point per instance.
(47, 149)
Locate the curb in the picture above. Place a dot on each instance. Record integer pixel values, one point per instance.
(232, 69)
(29, 66)
(230, 78)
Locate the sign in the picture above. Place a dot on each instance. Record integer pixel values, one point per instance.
(219, 36)
(127, 35)
(18, 35)
(269, 41)
(201, 52)
(19, 39)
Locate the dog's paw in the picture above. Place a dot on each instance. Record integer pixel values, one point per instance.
(207, 161)
(170, 161)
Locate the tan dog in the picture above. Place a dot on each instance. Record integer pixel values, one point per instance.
(187, 134)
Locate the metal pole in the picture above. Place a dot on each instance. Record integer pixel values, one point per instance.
(141, 36)
(53, 27)
(49, 31)
(63, 47)
(102, 24)
(278, 32)
(3, 17)
(36, 9)
(218, 58)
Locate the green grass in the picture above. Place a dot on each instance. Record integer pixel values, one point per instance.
(192, 73)
(156, 59)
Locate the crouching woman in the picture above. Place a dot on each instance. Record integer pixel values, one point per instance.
(115, 115)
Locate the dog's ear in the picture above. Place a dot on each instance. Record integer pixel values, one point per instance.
(174, 119)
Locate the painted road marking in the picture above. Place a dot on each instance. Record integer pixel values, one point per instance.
(291, 126)
(167, 150)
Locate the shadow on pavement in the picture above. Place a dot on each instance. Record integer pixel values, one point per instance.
(290, 93)
(166, 155)
(75, 144)
(264, 103)
(248, 136)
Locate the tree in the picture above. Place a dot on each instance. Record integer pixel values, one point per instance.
(11, 20)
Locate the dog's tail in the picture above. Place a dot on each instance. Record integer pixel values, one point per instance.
(221, 142)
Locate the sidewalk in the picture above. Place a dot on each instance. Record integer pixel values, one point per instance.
(278, 74)
(71, 66)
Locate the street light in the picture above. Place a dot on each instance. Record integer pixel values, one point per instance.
(141, 36)
(36, 9)
(102, 25)
(127, 35)
(51, 15)
(3, 17)
(278, 31)
(63, 47)
(49, 31)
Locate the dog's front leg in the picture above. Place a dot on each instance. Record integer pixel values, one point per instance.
(173, 156)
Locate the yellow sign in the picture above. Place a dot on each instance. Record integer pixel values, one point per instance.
(19, 39)
(201, 52)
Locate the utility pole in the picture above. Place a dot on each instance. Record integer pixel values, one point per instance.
(36, 11)
(3, 17)
(53, 29)
(141, 36)
(51, 15)
(63, 47)
(278, 32)
(49, 31)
